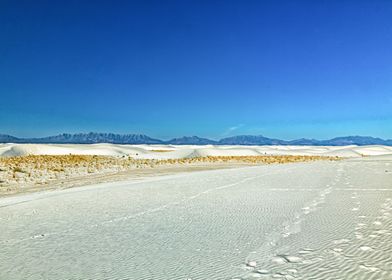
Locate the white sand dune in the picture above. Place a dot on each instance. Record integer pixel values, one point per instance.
(173, 151)
(316, 220)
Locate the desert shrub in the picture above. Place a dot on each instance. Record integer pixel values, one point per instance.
(18, 169)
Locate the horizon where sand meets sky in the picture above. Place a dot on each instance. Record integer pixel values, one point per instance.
(285, 69)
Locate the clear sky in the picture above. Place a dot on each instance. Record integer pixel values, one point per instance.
(286, 69)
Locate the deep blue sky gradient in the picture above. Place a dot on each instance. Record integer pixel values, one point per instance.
(286, 69)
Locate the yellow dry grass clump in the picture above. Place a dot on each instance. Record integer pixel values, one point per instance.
(247, 159)
(34, 170)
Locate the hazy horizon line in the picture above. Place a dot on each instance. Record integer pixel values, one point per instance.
(195, 135)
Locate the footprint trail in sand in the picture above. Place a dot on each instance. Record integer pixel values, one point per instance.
(321, 220)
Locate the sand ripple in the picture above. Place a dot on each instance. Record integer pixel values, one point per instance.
(266, 222)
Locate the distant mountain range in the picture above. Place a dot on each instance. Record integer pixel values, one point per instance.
(91, 138)
(84, 138)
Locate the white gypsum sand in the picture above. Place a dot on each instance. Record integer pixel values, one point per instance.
(314, 220)
(31, 167)
(187, 151)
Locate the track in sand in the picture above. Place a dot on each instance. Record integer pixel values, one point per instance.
(320, 220)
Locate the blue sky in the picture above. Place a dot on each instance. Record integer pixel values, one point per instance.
(286, 69)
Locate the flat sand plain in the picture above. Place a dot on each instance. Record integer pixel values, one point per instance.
(313, 220)
(29, 173)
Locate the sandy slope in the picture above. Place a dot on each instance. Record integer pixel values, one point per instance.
(156, 151)
(320, 220)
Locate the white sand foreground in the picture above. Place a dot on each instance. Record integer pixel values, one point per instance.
(315, 220)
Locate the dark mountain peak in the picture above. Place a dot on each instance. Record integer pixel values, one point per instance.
(191, 140)
(355, 140)
(94, 137)
(4, 138)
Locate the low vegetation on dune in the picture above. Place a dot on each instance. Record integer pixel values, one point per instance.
(40, 170)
